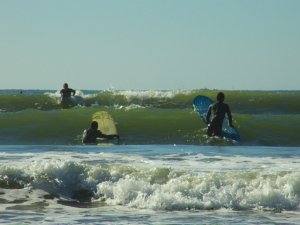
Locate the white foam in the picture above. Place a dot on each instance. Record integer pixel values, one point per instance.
(141, 181)
(161, 182)
(144, 95)
(206, 191)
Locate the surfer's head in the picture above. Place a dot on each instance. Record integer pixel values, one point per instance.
(66, 86)
(220, 97)
(94, 125)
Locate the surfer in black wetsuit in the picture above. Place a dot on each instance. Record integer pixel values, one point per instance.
(90, 136)
(66, 91)
(215, 116)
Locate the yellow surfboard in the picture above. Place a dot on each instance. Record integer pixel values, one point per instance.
(106, 125)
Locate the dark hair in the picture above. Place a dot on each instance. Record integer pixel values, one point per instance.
(94, 125)
(220, 97)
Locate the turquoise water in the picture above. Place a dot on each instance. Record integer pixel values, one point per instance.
(164, 171)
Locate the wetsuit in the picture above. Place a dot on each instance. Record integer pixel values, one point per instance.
(90, 136)
(217, 112)
(65, 93)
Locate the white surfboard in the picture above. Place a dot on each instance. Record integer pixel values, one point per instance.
(106, 125)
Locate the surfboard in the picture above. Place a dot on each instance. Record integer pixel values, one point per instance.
(106, 125)
(201, 105)
(67, 102)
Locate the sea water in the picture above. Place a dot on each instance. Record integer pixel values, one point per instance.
(165, 169)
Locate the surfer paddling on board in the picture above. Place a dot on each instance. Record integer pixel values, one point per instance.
(66, 91)
(215, 116)
(90, 136)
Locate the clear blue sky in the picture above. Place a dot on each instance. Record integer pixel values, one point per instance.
(150, 44)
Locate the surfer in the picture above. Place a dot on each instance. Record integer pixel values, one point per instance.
(66, 91)
(90, 136)
(217, 112)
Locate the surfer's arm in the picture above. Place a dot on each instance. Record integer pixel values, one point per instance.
(112, 136)
(208, 115)
(73, 91)
(100, 135)
(229, 116)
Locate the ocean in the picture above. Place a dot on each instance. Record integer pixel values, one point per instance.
(165, 170)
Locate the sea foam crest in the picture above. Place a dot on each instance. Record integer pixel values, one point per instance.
(159, 188)
(132, 106)
(78, 98)
(144, 95)
(206, 192)
(79, 93)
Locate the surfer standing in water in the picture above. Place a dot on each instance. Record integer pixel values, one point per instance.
(90, 136)
(215, 116)
(66, 91)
